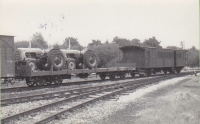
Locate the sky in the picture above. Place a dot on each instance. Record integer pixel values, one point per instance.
(170, 21)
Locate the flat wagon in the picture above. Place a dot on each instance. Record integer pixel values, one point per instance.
(11, 68)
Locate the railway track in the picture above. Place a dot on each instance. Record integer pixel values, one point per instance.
(19, 89)
(42, 96)
(89, 95)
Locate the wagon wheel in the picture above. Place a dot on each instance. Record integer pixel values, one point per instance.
(122, 75)
(30, 83)
(178, 70)
(149, 73)
(39, 82)
(112, 76)
(132, 74)
(90, 59)
(165, 72)
(71, 64)
(12, 81)
(58, 80)
(56, 58)
(49, 82)
(102, 76)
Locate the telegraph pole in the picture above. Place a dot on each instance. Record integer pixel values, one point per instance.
(69, 43)
(183, 44)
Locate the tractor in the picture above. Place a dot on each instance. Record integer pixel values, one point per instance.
(59, 59)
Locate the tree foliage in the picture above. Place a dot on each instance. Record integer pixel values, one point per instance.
(193, 57)
(173, 47)
(121, 41)
(37, 41)
(108, 54)
(94, 43)
(152, 42)
(21, 44)
(74, 44)
(136, 42)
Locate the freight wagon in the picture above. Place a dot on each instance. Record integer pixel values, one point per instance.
(136, 60)
(11, 68)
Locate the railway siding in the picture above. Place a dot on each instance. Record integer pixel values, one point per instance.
(115, 90)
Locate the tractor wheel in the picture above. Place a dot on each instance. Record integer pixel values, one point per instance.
(56, 58)
(90, 59)
(31, 64)
(71, 65)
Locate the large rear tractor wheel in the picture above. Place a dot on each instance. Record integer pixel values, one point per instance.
(90, 59)
(56, 58)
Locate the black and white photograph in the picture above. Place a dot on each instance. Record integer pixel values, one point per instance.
(99, 62)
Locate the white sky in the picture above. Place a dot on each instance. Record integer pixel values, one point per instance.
(170, 21)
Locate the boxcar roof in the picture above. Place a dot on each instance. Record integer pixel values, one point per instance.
(131, 46)
(7, 35)
(143, 47)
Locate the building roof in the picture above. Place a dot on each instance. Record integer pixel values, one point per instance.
(7, 35)
(143, 47)
(131, 46)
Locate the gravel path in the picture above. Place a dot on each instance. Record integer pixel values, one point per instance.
(137, 107)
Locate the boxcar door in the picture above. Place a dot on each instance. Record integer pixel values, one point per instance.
(7, 56)
(152, 57)
(174, 58)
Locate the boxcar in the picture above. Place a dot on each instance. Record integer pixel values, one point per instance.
(7, 56)
(151, 60)
(180, 58)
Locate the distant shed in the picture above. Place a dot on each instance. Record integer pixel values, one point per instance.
(7, 56)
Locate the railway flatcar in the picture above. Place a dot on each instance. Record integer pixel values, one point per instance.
(151, 60)
(21, 65)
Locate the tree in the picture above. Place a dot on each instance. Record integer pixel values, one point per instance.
(94, 43)
(121, 41)
(37, 41)
(74, 44)
(173, 47)
(136, 42)
(56, 46)
(193, 57)
(106, 42)
(152, 42)
(21, 44)
(108, 54)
